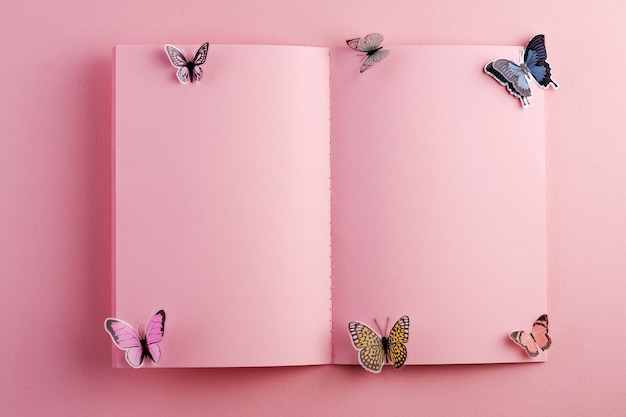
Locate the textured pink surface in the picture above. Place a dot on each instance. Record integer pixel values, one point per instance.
(55, 212)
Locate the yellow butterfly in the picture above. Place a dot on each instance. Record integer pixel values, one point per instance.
(373, 348)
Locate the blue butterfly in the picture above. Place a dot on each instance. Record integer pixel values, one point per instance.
(533, 65)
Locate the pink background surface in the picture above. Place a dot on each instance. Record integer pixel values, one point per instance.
(55, 212)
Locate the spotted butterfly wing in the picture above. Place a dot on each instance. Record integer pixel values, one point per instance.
(398, 336)
(514, 76)
(535, 341)
(138, 346)
(369, 344)
(374, 349)
(370, 44)
(187, 71)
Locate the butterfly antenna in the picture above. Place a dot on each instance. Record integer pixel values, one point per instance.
(379, 329)
(377, 326)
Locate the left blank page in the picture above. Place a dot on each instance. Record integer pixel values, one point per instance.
(221, 204)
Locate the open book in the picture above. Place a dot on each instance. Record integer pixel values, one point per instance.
(286, 194)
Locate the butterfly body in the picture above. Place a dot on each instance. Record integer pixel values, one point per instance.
(370, 44)
(374, 349)
(373, 51)
(533, 65)
(187, 71)
(384, 341)
(138, 345)
(535, 341)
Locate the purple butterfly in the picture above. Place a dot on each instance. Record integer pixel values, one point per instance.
(187, 70)
(138, 346)
(371, 46)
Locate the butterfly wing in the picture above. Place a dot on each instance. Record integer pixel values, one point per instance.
(200, 57)
(398, 336)
(183, 75)
(535, 56)
(540, 332)
(178, 60)
(510, 75)
(369, 344)
(369, 43)
(154, 334)
(373, 58)
(353, 43)
(197, 73)
(176, 56)
(134, 357)
(526, 341)
(126, 338)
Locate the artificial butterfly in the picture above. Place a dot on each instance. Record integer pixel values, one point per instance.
(533, 65)
(187, 70)
(535, 341)
(373, 348)
(137, 344)
(371, 46)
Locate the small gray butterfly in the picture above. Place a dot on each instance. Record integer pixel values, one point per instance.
(371, 46)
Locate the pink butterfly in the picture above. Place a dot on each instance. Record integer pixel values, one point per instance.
(535, 341)
(137, 344)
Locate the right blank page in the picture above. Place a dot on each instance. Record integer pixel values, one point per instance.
(438, 203)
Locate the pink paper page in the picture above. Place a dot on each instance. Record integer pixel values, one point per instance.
(222, 204)
(438, 203)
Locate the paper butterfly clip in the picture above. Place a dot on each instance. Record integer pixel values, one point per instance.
(373, 348)
(533, 65)
(187, 70)
(535, 341)
(137, 344)
(371, 46)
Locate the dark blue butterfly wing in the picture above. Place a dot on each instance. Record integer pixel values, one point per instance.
(535, 56)
(510, 75)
